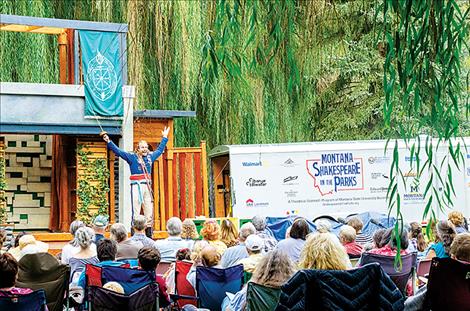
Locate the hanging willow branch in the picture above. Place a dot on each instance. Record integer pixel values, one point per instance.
(425, 40)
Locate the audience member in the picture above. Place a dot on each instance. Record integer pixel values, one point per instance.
(445, 233)
(390, 243)
(99, 226)
(323, 251)
(9, 273)
(29, 245)
(262, 231)
(169, 276)
(86, 255)
(458, 220)
(189, 232)
(106, 253)
(459, 250)
(15, 250)
(254, 246)
(323, 225)
(347, 237)
(273, 270)
(210, 232)
(209, 257)
(169, 246)
(295, 242)
(183, 254)
(361, 237)
(115, 287)
(126, 248)
(72, 247)
(140, 223)
(149, 258)
(235, 253)
(229, 233)
(417, 241)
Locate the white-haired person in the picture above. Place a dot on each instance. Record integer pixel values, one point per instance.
(169, 246)
(139, 226)
(87, 254)
(126, 248)
(347, 237)
(259, 222)
(273, 270)
(71, 247)
(235, 253)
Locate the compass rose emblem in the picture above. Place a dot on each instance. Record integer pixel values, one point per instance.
(101, 77)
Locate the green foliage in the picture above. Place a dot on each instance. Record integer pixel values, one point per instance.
(424, 94)
(92, 186)
(256, 71)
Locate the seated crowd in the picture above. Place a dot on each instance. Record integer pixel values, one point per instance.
(264, 260)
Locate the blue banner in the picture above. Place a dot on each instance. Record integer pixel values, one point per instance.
(102, 74)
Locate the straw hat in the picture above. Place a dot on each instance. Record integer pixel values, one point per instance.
(29, 245)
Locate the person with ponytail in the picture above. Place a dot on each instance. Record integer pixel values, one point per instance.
(445, 235)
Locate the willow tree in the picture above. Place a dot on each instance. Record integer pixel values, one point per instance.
(425, 96)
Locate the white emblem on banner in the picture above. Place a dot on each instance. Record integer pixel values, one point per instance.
(101, 77)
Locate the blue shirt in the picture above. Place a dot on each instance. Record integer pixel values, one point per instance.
(291, 247)
(439, 250)
(133, 160)
(233, 255)
(146, 241)
(107, 263)
(170, 246)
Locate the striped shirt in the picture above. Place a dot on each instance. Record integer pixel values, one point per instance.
(364, 238)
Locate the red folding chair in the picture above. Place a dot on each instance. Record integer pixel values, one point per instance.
(163, 267)
(423, 270)
(184, 291)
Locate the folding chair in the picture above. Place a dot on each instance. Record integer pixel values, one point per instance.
(43, 271)
(35, 301)
(184, 291)
(354, 262)
(132, 262)
(448, 285)
(212, 284)
(422, 271)
(143, 299)
(400, 278)
(365, 288)
(163, 267)
(261, 298)
(247, 277)
(130, 279)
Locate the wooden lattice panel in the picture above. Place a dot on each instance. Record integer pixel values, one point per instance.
(97, 150)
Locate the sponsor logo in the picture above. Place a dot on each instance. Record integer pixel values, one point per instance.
(290, 178)
(378, 189)
(256, 182)
(468, 156)
(414, 188)
(334, 172)
(378, 176)
(258, 163)
(374, 160)
(289, 163)
(291, 193)
(290, 181)
(409, 159)
(468, 171)
(410, 174)
(251, 203)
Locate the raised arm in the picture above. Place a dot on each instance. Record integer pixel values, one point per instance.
(126, 156)
(162, 145)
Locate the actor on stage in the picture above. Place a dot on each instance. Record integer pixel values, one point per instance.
(141, 164)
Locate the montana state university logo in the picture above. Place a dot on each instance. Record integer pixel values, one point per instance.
(101, 77)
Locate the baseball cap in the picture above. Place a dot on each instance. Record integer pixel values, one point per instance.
(101, 221)
(254, 242)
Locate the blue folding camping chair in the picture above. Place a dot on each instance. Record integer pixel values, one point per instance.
(212, 284)
(35, 301)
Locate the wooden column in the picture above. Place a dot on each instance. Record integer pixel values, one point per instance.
(205, 185)
(161, 184)
(169, 181)
(63, 42)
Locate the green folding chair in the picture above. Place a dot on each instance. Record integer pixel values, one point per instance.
(261, 298)
(246, 276)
